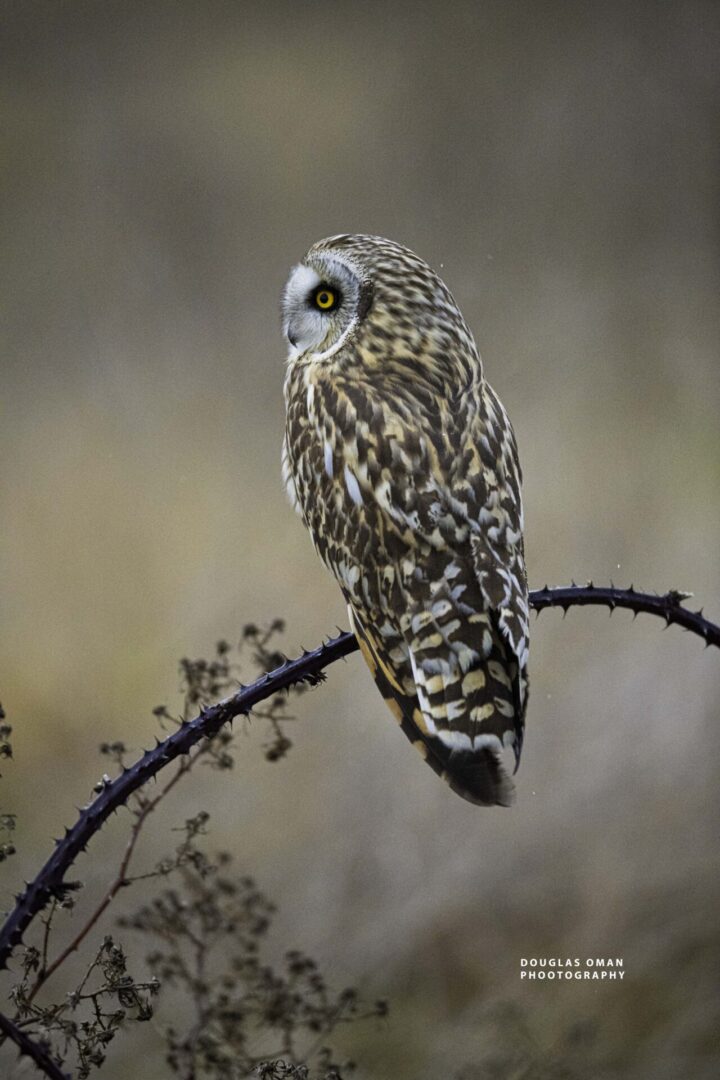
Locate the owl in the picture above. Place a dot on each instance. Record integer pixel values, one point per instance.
(403, 465)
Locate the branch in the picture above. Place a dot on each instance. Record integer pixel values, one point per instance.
(668, 605)
(308, 668)
(115, 793)
(32, 1049)
(120, 880)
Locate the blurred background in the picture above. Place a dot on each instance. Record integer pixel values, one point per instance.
(163, 166)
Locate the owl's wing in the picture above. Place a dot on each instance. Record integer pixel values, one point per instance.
(288, 478)
(460, 596)
(497, 548)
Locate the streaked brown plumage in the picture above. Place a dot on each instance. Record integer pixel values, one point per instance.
(403, 464)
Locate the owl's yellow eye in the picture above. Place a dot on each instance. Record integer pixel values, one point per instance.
(325, 299)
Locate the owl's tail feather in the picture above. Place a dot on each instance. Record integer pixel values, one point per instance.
(478, 775)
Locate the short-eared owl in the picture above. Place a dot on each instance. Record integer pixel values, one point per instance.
(403, 464)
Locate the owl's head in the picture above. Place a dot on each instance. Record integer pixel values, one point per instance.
(326, 297)
(376, 295)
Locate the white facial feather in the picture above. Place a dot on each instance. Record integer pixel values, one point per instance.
(319, 334)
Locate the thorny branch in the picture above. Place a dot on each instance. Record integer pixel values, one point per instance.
(49, 883)
(119, 881)
(32, 1049)
(667, 605)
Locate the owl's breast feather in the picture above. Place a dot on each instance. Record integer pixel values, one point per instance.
(355, 458)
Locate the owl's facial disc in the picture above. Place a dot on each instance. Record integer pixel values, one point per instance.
(320, 307)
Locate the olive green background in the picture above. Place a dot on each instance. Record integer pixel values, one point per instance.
(163, 165)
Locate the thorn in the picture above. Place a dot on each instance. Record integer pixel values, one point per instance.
(676, 596)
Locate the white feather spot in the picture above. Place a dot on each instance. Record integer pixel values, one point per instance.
(455, 711)
(351, 575)
(328, 459)
(491, 742)
(353, 488)
(456, 740)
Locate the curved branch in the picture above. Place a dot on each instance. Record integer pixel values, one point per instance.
(307, 668)
(667, 605)
(49, 881)
(29, 1048)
